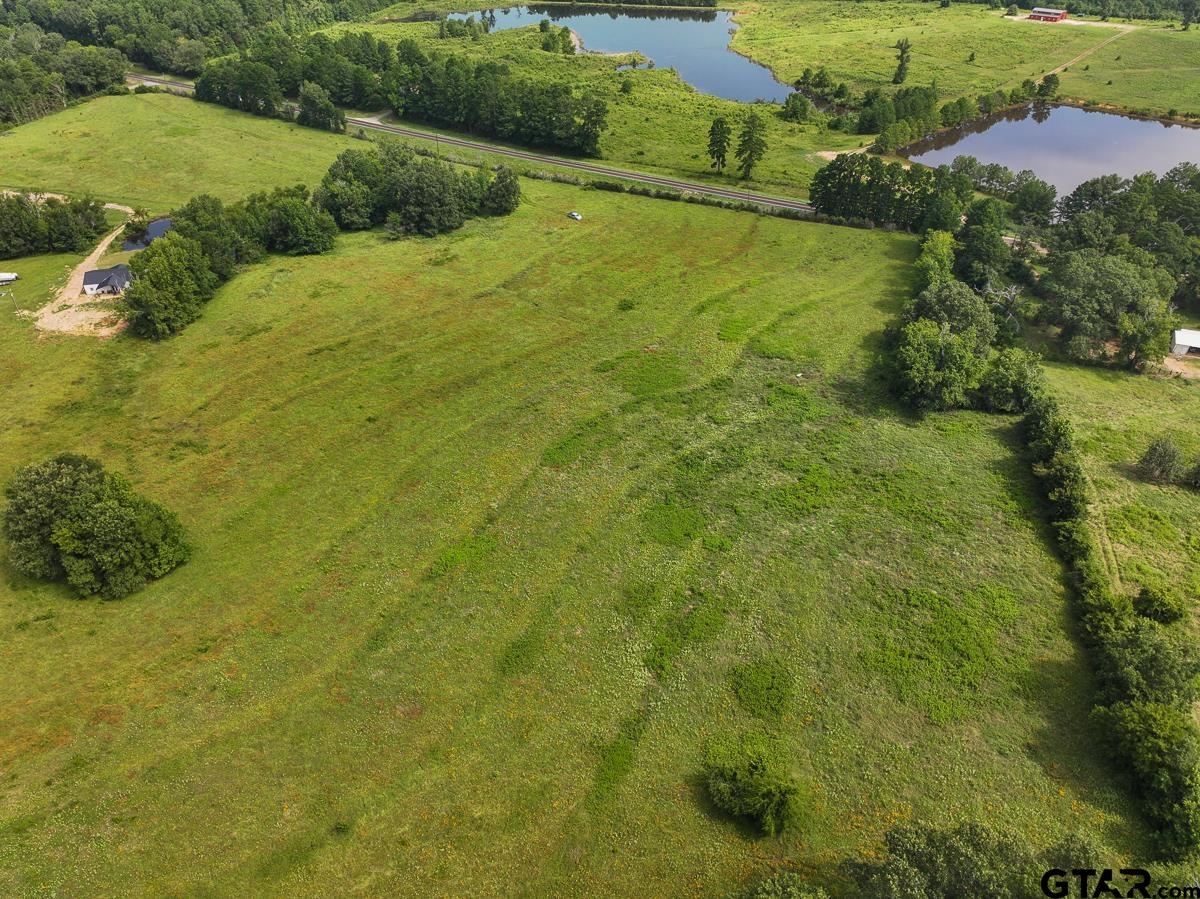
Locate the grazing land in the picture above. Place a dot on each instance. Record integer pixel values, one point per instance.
(157, 150)
(1148, 532)
(856, 41)
(483, 525)
(1153, 69)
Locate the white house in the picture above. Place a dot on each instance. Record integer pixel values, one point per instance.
(1185, 341)
(106, 280)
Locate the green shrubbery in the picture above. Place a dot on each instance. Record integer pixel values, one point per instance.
(68, 519)
(1159, 605)
(411, 194)
(1162, 463)
(745, 779)
(784, 885)
(971, 859)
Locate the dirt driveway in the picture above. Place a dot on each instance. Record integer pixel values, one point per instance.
(72, 311)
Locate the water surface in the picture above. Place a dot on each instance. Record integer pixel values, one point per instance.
(1065, 145)
(694, 42)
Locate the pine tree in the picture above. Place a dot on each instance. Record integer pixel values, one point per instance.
(752, 144)
(718, 142)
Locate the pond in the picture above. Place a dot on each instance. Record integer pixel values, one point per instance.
(1065, 145)
(694, 42)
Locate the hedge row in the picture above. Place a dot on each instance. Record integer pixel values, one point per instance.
(1145, 667)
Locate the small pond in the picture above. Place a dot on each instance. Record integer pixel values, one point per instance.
(1065, 145)
(694, 42)
(154, 231)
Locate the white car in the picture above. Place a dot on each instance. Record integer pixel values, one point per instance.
(8, 277)
(575, 215)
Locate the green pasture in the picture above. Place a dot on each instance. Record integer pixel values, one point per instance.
(485, 526)
(1149, 533)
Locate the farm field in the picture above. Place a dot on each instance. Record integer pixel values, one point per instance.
(1152, 69)
(1148, 532)
(856, 41)
(157, 150)
(483, 524)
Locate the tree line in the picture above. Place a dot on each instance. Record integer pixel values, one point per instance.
(482, 97)
(41, 72)
(209, 240)
(33, 225)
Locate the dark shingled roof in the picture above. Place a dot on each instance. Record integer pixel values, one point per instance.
(116, 278)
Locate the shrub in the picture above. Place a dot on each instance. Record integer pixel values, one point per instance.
(971, 859)
(1066, 485)
(69, 519)
(934, 368)
(503, 193)
(426, 198)
(1149, 663)
(1161, 746)
(1159, 605)
(784, 885)
(1191, 477)
(968, 860)
(744, 780)
(1162, 463)
(299, 228)
(935, 265)
(1012, 379)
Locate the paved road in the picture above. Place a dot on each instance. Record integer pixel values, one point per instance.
(590, 168)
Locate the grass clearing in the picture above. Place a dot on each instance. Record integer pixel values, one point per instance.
(856, 42)
(1154, 69)
(478, 552)
(1149, 533)
(159, 150)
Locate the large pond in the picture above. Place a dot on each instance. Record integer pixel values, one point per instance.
(694, 42)
(1065, 145)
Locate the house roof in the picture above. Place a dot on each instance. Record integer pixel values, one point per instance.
(117, 277)
(1049, 12)
(1186, 337)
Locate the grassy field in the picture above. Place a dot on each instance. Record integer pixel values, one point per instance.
(856, 41)
(1153, 69)
(157, 150)
(483, 524)
(1149, 532)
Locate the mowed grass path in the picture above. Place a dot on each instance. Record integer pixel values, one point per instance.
(482, 525)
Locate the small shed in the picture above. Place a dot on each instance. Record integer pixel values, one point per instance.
(1185, 342)
(106, 280)
(1043, 14)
